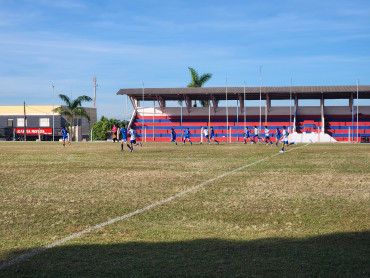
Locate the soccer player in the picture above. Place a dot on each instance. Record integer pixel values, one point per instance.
(267, 136)
(285, 138)
(123, 131)
(278, 136)
(114, 133)
(133, 134)
(187, 134)
(173, 135)
(65, 136)
(212, 135)
(256, 133)
(247, 135)
(205, 131)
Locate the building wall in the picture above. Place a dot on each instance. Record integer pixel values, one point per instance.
(35, 113)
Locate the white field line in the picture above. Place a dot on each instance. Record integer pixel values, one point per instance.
(113, 220)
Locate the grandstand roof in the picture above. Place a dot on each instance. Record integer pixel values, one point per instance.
(252, 93)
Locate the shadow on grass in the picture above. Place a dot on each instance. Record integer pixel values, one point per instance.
(335, 255)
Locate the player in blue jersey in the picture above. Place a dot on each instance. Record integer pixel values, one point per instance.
(187, 134)
(123, 131)
(173, 135)
(64, 132)
(247, 135)
(212, 135)
(277, 136)
(267, 136)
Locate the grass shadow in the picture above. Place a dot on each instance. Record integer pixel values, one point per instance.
(334, 255)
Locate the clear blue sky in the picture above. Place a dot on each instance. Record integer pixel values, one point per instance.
(125, 43)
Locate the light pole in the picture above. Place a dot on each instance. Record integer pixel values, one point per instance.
(290, 104)
(227, 116)
(53, 112)
(142, 131)
(357, 110)
(244, 106)
(260, 96)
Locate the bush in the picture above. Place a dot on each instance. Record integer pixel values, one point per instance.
(102, 128)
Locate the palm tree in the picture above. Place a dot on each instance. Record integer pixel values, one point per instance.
(73, 108)
(197, 81)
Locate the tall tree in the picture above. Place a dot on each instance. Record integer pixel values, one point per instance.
(198, 81)
(72, 108)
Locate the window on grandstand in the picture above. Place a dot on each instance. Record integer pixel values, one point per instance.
(20, 122)
(44, 122)
(83, 122)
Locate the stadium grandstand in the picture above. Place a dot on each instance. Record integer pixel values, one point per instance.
(306, 123)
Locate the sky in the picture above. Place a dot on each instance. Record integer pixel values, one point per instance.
(66, 43)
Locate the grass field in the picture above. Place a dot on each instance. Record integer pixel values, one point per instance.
(304, 213)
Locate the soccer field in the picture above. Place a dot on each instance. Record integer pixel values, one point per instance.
(233, 210)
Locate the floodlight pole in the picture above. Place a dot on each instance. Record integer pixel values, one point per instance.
(227, 115)
(142, 129)
(25, 120)
(244, 108)
(357, 110)
(237, 120)
(260, 96)
(53, 112)
(290, 105)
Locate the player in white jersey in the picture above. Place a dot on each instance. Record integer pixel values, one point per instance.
(267, 136)
(206, 134)
(133, 135)
(285, 139)
(256, 134)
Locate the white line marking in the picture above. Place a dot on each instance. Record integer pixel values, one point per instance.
(113, 220)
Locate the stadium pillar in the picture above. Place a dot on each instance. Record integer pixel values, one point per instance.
(209, 115)
(352, 119)
(153, 120)
(267, 107)
(295, 112)
(181, 120)
(322, 104)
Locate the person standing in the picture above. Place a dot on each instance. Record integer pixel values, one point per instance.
(114, 131)
(64, 132)
(124, 138)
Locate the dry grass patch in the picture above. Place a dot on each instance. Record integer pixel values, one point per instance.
(49, 192)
